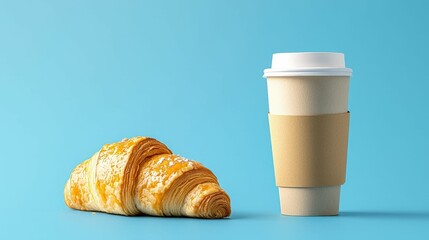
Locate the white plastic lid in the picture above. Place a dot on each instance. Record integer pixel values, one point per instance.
(308, 64)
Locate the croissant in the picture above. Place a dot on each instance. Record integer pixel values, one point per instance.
(140, 175)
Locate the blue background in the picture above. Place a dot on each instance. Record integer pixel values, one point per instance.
(77, 74)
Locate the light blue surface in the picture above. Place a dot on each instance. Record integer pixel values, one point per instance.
(77, 74)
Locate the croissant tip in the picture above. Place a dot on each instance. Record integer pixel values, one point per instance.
(218, 206)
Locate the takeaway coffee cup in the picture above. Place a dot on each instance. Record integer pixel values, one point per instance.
(309, 122)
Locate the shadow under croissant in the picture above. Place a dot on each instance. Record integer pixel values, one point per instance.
(157, 217)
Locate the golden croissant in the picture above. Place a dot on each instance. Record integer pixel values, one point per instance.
(141, 176)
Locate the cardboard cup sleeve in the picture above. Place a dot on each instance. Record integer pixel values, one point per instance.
(309, 151)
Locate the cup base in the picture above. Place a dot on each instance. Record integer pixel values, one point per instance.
(310, 201)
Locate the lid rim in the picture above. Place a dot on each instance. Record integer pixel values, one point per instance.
(307, 69)
(308, 75)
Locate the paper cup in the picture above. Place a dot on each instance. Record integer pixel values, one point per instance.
(303, 85)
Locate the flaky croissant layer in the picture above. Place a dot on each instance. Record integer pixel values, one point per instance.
(140, 175)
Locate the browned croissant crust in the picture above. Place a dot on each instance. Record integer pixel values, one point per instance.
(141, 176)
